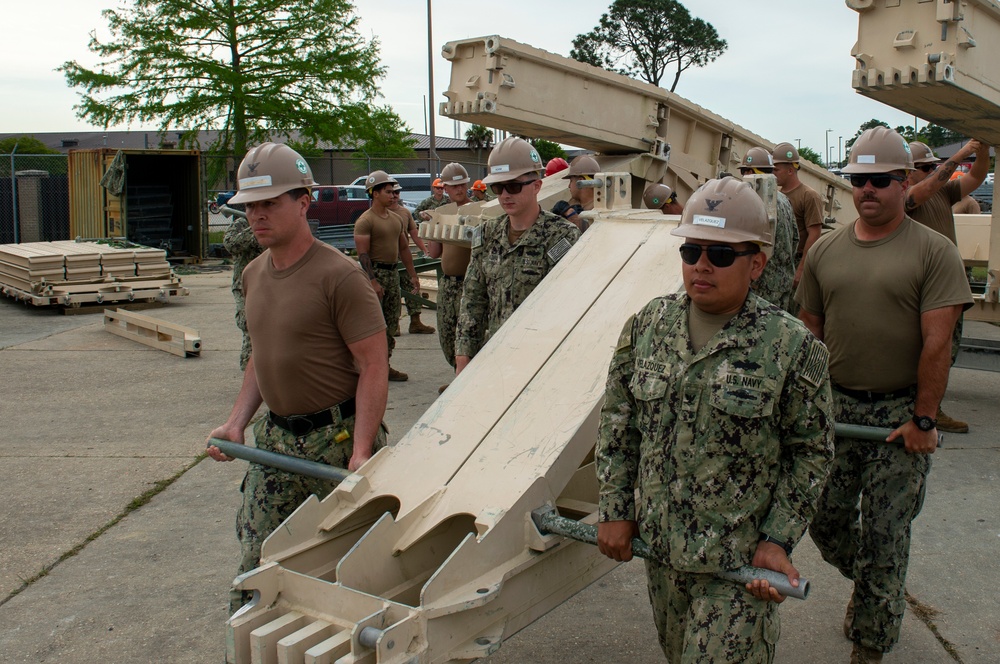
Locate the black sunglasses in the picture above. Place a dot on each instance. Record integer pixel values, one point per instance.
(927, 168)
(878, 180)
(719, 255)
(511, 187)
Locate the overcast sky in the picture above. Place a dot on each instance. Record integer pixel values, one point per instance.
(785, 76)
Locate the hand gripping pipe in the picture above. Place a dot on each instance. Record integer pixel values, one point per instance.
(291, 464)
(549, 522)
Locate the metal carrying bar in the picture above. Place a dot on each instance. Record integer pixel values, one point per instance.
(290, 464)
(549, 522)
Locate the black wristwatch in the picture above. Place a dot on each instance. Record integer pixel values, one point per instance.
(924, 423)
(768, 538)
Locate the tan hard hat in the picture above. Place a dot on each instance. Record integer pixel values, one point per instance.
(785, 153)
(375, 178)
(454, 174)
(726, 210)
(583, 165)
(922, 154)
(511, 158)
(269, 170)
(757, 158)
(657, 195)
(879, 150)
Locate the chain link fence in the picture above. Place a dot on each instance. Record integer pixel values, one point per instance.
(34, 198)
(34, 189)
(220, 177)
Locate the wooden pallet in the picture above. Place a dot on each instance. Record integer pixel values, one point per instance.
(177, 339)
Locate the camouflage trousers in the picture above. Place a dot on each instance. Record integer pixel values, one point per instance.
(241, 322)
(702, 618)
(862, 525)
(449, 300)
(406, 286)
(388, 278)
(271, 495)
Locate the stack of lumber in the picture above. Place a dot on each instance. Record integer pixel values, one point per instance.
(72, 273)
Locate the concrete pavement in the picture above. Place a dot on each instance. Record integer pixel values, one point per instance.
(95, 424)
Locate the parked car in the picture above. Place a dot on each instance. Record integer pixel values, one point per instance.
(338, 204)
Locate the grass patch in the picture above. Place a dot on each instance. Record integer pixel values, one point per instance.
(215, 237)
(926, 614)
(134, 504)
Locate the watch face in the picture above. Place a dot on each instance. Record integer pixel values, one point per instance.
(924, 423)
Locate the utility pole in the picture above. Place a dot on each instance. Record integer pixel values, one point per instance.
(826, 155)
(432, 148)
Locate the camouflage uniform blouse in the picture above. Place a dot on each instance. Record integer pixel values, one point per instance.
(429, 203)
(775, 284)
(501, 276)
(723, 444)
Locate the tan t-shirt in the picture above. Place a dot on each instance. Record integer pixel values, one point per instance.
(384, 232)
(703, 326)
(808, 209)
(455, 259)
(871, 295)
(301, 321)
(936, 214)
(968, 205)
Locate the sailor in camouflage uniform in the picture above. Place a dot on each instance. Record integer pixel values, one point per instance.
(511, 254)
(775, 284)
(432, 202)
(241, 244)
(717, 410)
(884, 293)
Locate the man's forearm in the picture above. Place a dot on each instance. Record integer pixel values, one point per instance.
(371, 398)
(248, 400)
(932, 376)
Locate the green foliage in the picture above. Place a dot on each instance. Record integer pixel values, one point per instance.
(931, 134)
(479, 138)
(30, 154)
(255, 69)
(25, 145)
(642, 38)
(388, 138)
(547, 149)
(809, 154)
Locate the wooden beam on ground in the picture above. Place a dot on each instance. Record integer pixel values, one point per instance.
(156, 333)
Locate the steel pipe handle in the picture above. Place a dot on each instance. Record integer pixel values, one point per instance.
(861, 432)
(290, 464)
(548, 521)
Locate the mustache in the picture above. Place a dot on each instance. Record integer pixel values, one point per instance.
(869, 197)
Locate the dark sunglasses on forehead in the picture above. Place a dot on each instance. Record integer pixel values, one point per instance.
(719, 255)
(511, 187)
(927, 168)
(878, 180)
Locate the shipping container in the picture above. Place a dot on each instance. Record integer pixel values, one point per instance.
(160, 204)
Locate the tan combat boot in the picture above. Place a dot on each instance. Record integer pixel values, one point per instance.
(864, 655)
(397, 376)
(416, 327)
(949, 424)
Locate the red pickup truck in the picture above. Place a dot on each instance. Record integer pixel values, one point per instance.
(333, 204)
